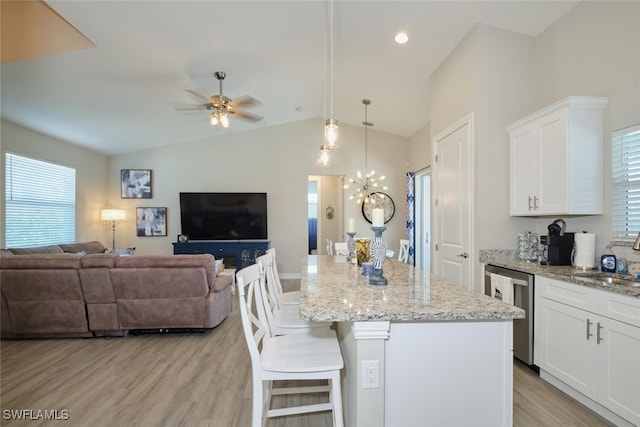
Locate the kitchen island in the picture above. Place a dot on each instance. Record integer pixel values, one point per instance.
(419, 351)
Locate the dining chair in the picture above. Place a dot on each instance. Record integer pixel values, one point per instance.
(285, 320)
(341, 248)
(282, 298)
(403, 253)
(295, 357)
(329, 247)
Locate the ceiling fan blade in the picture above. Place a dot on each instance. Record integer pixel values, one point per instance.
(189, 107)
(197, 95)
(247, 116)
(245, 101)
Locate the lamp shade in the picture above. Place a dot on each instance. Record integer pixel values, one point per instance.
(113, 215)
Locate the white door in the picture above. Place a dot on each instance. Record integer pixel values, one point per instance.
(453, 204)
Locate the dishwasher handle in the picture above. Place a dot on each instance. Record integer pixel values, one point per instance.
(515, 281)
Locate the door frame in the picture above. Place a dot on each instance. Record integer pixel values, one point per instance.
(422, 250)
(467, 120)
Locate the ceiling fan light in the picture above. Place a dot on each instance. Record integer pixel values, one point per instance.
(214, 119)
(224, 120)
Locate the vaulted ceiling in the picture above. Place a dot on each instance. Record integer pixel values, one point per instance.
(117, 96)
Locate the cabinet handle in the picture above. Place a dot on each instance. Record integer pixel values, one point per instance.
(589, 334)
(598, 337)
(530, 203)
(535, 203)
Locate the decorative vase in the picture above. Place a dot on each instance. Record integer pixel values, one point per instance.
(378, 254)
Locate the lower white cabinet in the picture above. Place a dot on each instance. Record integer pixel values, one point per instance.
(596, 355)
(619, 368)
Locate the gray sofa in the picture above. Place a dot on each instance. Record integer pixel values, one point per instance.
(79, 290)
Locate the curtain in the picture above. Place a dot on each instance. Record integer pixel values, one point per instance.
(411, 212)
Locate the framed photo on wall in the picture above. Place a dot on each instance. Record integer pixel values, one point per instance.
(151, 222)
(135, 183)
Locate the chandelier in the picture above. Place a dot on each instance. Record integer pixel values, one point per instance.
(366, 187)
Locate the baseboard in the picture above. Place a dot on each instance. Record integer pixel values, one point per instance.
(594, 406)
(290, 276)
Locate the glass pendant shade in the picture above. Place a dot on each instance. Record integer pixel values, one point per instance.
(324, 155)
(224, 120)
(331, 132)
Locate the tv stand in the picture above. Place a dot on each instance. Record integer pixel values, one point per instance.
(237, 254)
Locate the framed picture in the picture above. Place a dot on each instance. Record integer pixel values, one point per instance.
(135, 183)
(151, 222)
(183, 238)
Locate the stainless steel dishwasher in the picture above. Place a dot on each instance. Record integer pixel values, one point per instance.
(522, 298)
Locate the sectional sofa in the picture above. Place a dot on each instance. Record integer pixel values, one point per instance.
(80, 290)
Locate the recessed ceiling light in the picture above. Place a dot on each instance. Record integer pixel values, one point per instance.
(401, 38)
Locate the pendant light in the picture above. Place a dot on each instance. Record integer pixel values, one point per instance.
(366, 187)
(331, 124)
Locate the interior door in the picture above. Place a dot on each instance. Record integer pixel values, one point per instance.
(453, 204)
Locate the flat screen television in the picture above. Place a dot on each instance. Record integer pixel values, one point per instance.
(224, 216)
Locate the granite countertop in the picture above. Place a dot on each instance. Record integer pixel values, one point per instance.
(566, 273)
(333, 290)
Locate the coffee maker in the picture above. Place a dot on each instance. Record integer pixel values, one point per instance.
(558, 245)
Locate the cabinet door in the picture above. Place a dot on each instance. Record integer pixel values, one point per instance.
(524, 171)
(552, 131)
(567, 348)
(619, 368)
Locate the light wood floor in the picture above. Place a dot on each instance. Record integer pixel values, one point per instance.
(187, 380)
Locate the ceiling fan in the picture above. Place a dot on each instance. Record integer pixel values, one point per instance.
(221, 106)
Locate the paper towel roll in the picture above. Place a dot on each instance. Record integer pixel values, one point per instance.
(585, 250)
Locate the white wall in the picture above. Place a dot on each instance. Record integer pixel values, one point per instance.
(502, 76)
(276, 160)
(489, 74)
(594, 50)
(91, 176)
(420, 149)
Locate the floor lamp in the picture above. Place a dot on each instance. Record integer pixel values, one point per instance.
(113, 216)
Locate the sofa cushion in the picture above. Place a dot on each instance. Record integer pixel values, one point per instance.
(93, 247)
(41, 261)
(62, 316)
(206, 261)
(52, 249)
(100, 260)
(96, 285)
(41, 285)
(150, 283)
(221, 283)
(161, 313)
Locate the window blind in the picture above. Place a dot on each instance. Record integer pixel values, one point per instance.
(625, 170)
(39, 202)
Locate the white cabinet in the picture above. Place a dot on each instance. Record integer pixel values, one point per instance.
(590, 340)
(556, 159)
(565, 351)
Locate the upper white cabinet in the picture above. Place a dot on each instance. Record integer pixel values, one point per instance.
(556, 159)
